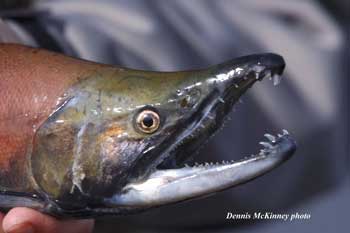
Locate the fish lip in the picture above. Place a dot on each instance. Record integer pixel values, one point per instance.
(260, 66)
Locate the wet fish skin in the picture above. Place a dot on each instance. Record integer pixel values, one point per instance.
(71, 146)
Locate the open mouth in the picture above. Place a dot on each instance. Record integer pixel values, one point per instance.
(174, 181)
(215, 113)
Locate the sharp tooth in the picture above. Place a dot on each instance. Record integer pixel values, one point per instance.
(264, 151)
(276, 79)
(258, 68)
(268, 74)
(211, 117)
(285, 132)
(221, 100)
(266, 145)
(270, 137)
(256, 75)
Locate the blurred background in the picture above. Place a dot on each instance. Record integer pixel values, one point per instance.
(312, 101)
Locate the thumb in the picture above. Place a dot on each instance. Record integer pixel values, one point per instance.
(1, 219)
(25, 220)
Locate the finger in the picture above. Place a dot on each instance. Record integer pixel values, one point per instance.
(1, 219)
(25, 220)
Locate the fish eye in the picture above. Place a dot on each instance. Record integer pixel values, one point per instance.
(148, 121)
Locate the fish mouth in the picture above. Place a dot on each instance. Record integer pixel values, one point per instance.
(174, 181)
(220, 102)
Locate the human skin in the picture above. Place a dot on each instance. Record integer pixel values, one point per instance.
(25, 220)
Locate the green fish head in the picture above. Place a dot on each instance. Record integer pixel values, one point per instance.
(134, 130)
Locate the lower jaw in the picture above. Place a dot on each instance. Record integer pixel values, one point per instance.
(175, 185)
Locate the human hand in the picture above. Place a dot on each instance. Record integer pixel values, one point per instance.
(25, 220)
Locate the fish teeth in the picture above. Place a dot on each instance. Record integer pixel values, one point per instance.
(266, 145)
(270, 137)
(268, 74)
(211, 117)
(221, 100)
(258, 68)
(225, 162)
(263, 151)
(276, 79)
(256, 75)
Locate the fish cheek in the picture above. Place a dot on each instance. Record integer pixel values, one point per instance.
(118, 157)
(76, 166)
(52, 158)
(65, 162)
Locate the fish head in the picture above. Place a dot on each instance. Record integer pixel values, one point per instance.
(130, 133)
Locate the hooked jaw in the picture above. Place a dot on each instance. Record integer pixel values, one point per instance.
(174, 185)
(171, 185)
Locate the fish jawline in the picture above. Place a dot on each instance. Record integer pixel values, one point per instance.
(175, 185)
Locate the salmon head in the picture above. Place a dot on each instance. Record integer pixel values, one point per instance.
(119, 138)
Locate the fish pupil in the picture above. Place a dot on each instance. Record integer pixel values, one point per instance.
(148, 121)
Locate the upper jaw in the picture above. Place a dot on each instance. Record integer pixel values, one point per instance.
(228, 82)
(232, 79)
